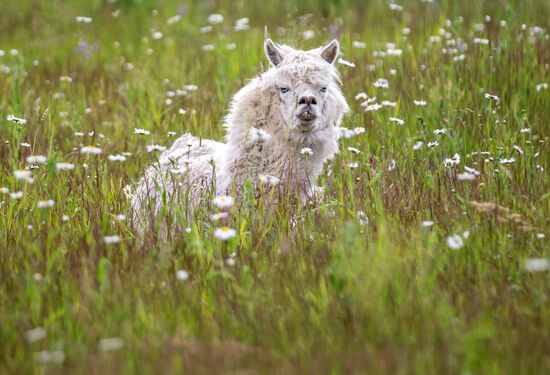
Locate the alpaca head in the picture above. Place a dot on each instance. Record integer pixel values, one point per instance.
(307, 86)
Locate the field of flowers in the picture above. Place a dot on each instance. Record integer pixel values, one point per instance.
(430, 252)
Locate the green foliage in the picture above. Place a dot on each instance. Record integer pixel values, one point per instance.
(351, 283)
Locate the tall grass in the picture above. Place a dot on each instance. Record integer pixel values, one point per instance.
(352, 283)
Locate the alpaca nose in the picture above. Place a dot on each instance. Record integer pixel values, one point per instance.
(309, 100)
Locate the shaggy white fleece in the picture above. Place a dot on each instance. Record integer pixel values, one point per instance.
(294, 106)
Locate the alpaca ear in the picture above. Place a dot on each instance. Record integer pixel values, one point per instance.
(330, 52)
(273, 53)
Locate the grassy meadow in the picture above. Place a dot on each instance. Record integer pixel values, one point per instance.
(429, 253)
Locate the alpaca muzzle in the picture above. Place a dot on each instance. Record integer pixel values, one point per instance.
(307, 115)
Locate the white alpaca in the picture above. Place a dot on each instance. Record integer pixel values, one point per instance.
(296, 104)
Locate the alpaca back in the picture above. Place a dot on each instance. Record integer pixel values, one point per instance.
(183, 176)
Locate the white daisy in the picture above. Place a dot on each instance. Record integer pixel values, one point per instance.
(455, 242)
(215, 18)
(64, 166)
(45, 204)
(182, 275)
(109, 240)
(17, 120)
(346, 63)
(223, 201)
(151, 148)
(141, 131)
(116, 158)
(224, 233)
(269, 180)
(91, 150)
(38, 159)
(537, 264)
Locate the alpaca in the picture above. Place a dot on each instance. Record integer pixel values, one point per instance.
(281, 128)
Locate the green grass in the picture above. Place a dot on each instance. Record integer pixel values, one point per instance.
(325, 293)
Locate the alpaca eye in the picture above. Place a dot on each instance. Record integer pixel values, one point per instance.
(284, 89)
(323, 89)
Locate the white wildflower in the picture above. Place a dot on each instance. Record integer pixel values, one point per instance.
(373, 107)
(449, 162)
(23, 174)
(381, 83)
(81, 19)
(141, 131)
(440, 131)
(218, 216)
(472, 171)
(358, 44)
(45, 204)
(215, 19)
(481, 41)
(455, 242)
(45, 356)
(518, 149)
(110, 344)
(362, 216)
(16, 195)
(542, 86)
(398, 121)
(306, 151)
(418, 145)
(466, 176)
(230, 262)
(490, 96)
(35, 334)
(308, 34)
(182, 275)
(38, 159)
(537, 264)
(172, 20)
(17, 120)
(419, 103)
(346, 63)
(223, 201)
(109, 240)
(354, 150)
(224, 233)
(64, 166)
(396, 7)
(269, 180)
(507, 161)
(90, 150)
(427, 223)
(151, 148)
(394, 52)
(116, 157)
(242, 24)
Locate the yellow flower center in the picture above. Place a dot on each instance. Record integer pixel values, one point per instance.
(224, 229)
